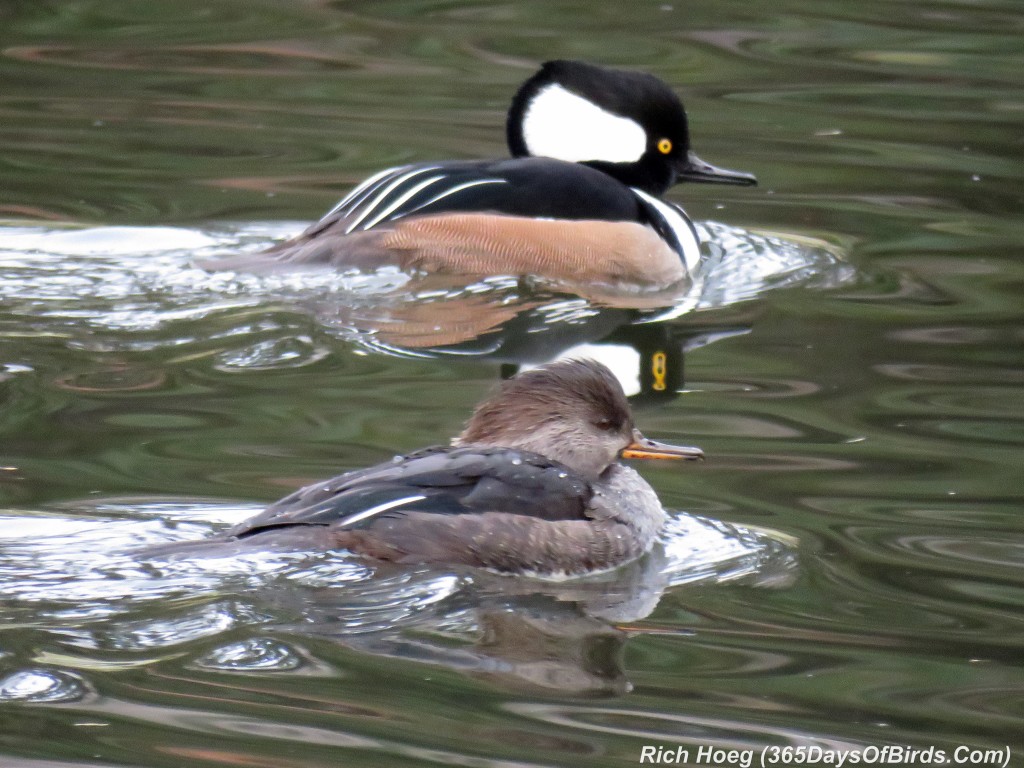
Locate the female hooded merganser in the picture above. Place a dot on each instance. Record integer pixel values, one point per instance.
(532, 485)
(593, 151)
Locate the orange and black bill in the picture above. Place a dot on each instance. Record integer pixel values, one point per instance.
(642, 448)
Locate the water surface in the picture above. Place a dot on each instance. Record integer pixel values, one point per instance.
(843, 572)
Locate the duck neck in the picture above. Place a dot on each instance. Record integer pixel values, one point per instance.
(652, 177)
(584, 457)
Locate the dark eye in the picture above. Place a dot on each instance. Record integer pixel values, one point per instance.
(605, 424)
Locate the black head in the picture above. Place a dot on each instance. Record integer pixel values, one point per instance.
(627, 124)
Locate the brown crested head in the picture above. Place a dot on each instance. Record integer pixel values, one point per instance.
(573, 411)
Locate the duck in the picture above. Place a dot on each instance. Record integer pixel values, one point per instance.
(534, 484)
(593, 151)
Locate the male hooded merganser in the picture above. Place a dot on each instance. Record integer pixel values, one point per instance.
(532, 485)
(593, 151)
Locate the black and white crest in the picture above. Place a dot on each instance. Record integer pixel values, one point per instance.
(580, 112)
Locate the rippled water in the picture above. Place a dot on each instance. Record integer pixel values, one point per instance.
(844, 572)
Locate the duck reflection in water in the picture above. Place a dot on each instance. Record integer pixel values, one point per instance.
(566, 637)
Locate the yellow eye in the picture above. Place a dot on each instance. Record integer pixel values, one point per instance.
(664, 146)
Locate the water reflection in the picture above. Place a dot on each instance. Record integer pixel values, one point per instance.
(82, 584)
(565, 637)
(522, 321)
(208, 620)
(691, 731)
(892, 128)
(112, 279)
(254, 654)
(520, 632)
(42, 686)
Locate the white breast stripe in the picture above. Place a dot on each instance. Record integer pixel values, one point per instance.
(359, 516)
(457, 188)
(362, 188)
(412, 192)
(562, 125)
(370, 205)
(677, 222)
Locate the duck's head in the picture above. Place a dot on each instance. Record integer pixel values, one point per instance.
(572, 411)
(628, 124)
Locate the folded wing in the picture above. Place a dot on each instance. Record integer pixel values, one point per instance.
(442, 481)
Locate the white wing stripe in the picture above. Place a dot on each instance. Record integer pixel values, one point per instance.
(457, 188)
(412, 192)
(359, 516)
(362, 188)
(370, 205)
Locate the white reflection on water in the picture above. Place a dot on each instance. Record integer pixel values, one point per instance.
(252, 654)
(73, 574)
(142, 278)
(87, 582)
(42, 686)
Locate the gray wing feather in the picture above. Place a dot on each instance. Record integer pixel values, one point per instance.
(443, 481)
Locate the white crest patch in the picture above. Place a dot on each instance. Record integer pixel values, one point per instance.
(565, 126)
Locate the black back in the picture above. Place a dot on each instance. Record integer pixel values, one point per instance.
(439, 480)
(531, 186)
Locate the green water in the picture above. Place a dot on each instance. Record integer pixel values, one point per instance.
(844, 572)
